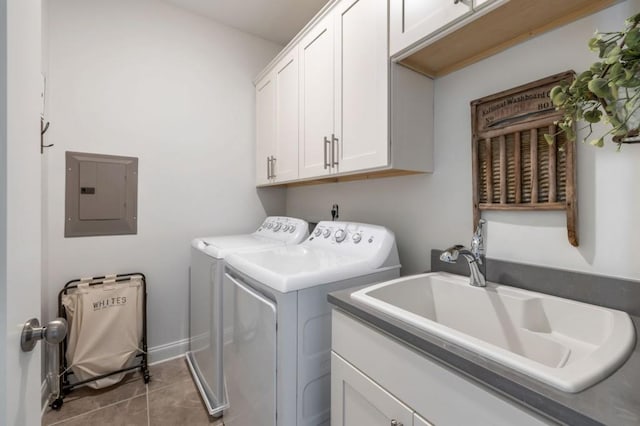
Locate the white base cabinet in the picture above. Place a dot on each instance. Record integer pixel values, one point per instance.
(376, 379)
(357, 400)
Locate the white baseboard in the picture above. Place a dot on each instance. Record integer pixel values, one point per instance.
(168, 351)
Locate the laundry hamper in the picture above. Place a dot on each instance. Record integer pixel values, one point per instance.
(107, 335)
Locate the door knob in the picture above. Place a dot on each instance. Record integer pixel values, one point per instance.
(52, 333)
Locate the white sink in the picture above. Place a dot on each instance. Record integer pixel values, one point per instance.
(566, 344)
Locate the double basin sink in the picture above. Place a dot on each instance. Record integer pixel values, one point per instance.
(566, 344)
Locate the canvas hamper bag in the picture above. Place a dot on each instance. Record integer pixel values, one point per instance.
(105, 329)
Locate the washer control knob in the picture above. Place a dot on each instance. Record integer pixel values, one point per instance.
(340, 235)
(285, 228)
(277, 227)
(357, 238)
(269, 225)
(292, 228)
(317, 232)
(326, 233)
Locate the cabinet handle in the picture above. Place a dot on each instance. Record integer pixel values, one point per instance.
(394, 422)
(326, 161)
(273, 167)
(268, 168)
(334, 147)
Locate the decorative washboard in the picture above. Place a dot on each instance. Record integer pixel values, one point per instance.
(514, 168)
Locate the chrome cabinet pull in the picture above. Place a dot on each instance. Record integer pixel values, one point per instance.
(394, 422)
(268, 168)
(273, 167)
(326, 160)
(334, 147)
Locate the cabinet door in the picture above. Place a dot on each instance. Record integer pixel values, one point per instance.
(265, 128)
(285, 164)
(362, 70)
(419, 421)
(317, 91)
(414, 20)
(356, 400)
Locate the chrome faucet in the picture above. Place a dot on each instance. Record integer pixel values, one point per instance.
(474, 255)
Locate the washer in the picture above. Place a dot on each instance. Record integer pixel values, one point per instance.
(206, 312)
(277, 361)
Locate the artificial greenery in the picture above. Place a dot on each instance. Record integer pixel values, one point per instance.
(608, 91)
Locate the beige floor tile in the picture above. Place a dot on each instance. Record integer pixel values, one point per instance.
(168, 373)
(179, 404)
(132, 412)
(85, 399)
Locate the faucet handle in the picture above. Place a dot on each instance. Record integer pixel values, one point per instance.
(478, 245)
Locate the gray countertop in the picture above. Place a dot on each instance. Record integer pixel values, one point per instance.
(613, 401)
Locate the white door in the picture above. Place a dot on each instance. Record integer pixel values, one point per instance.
(357, 400)
(249, 359)
(362, 67)
(265, 128)
(285, 165)
(20, 208)
(414, 20)
(317, 91)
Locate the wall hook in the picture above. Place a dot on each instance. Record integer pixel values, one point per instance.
(43, 129)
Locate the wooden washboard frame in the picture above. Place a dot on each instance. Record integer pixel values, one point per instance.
(514, 168)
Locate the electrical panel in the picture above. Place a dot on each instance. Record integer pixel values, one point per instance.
(101, 195)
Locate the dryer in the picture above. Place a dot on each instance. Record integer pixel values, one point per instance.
(277, 356)
(206, 302)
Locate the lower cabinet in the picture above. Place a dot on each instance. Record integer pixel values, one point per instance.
(377, 380)
(357, 400)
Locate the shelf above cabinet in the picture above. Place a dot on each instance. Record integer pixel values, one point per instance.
(485, 34)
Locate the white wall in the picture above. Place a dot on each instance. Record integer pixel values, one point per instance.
(435, 211)
(146, 79)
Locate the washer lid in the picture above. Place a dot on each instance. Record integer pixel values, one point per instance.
(292, 268)
(220, 247)
(274, 232)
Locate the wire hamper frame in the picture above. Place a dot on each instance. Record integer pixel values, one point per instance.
(64, 371)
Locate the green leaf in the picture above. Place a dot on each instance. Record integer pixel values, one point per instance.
(613, 55)
(593, 116)
(600, 87)
(554, 91)
(559, 99)
(632, 40)
(585, 76)
(549, 138)
(596, 67)
(598, 142)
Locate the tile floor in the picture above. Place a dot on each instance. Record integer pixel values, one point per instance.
(171, 398)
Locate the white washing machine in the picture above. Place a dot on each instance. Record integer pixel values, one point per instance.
(206, 302)
(277, 360)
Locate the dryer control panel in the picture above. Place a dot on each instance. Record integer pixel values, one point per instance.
(352, 238)
(283, 228)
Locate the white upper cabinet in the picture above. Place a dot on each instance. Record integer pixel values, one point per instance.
(333, 93)
(265, 128)
(413, 20)
(317, 98)
(277, 123)
(362, 70)
(285, 163)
